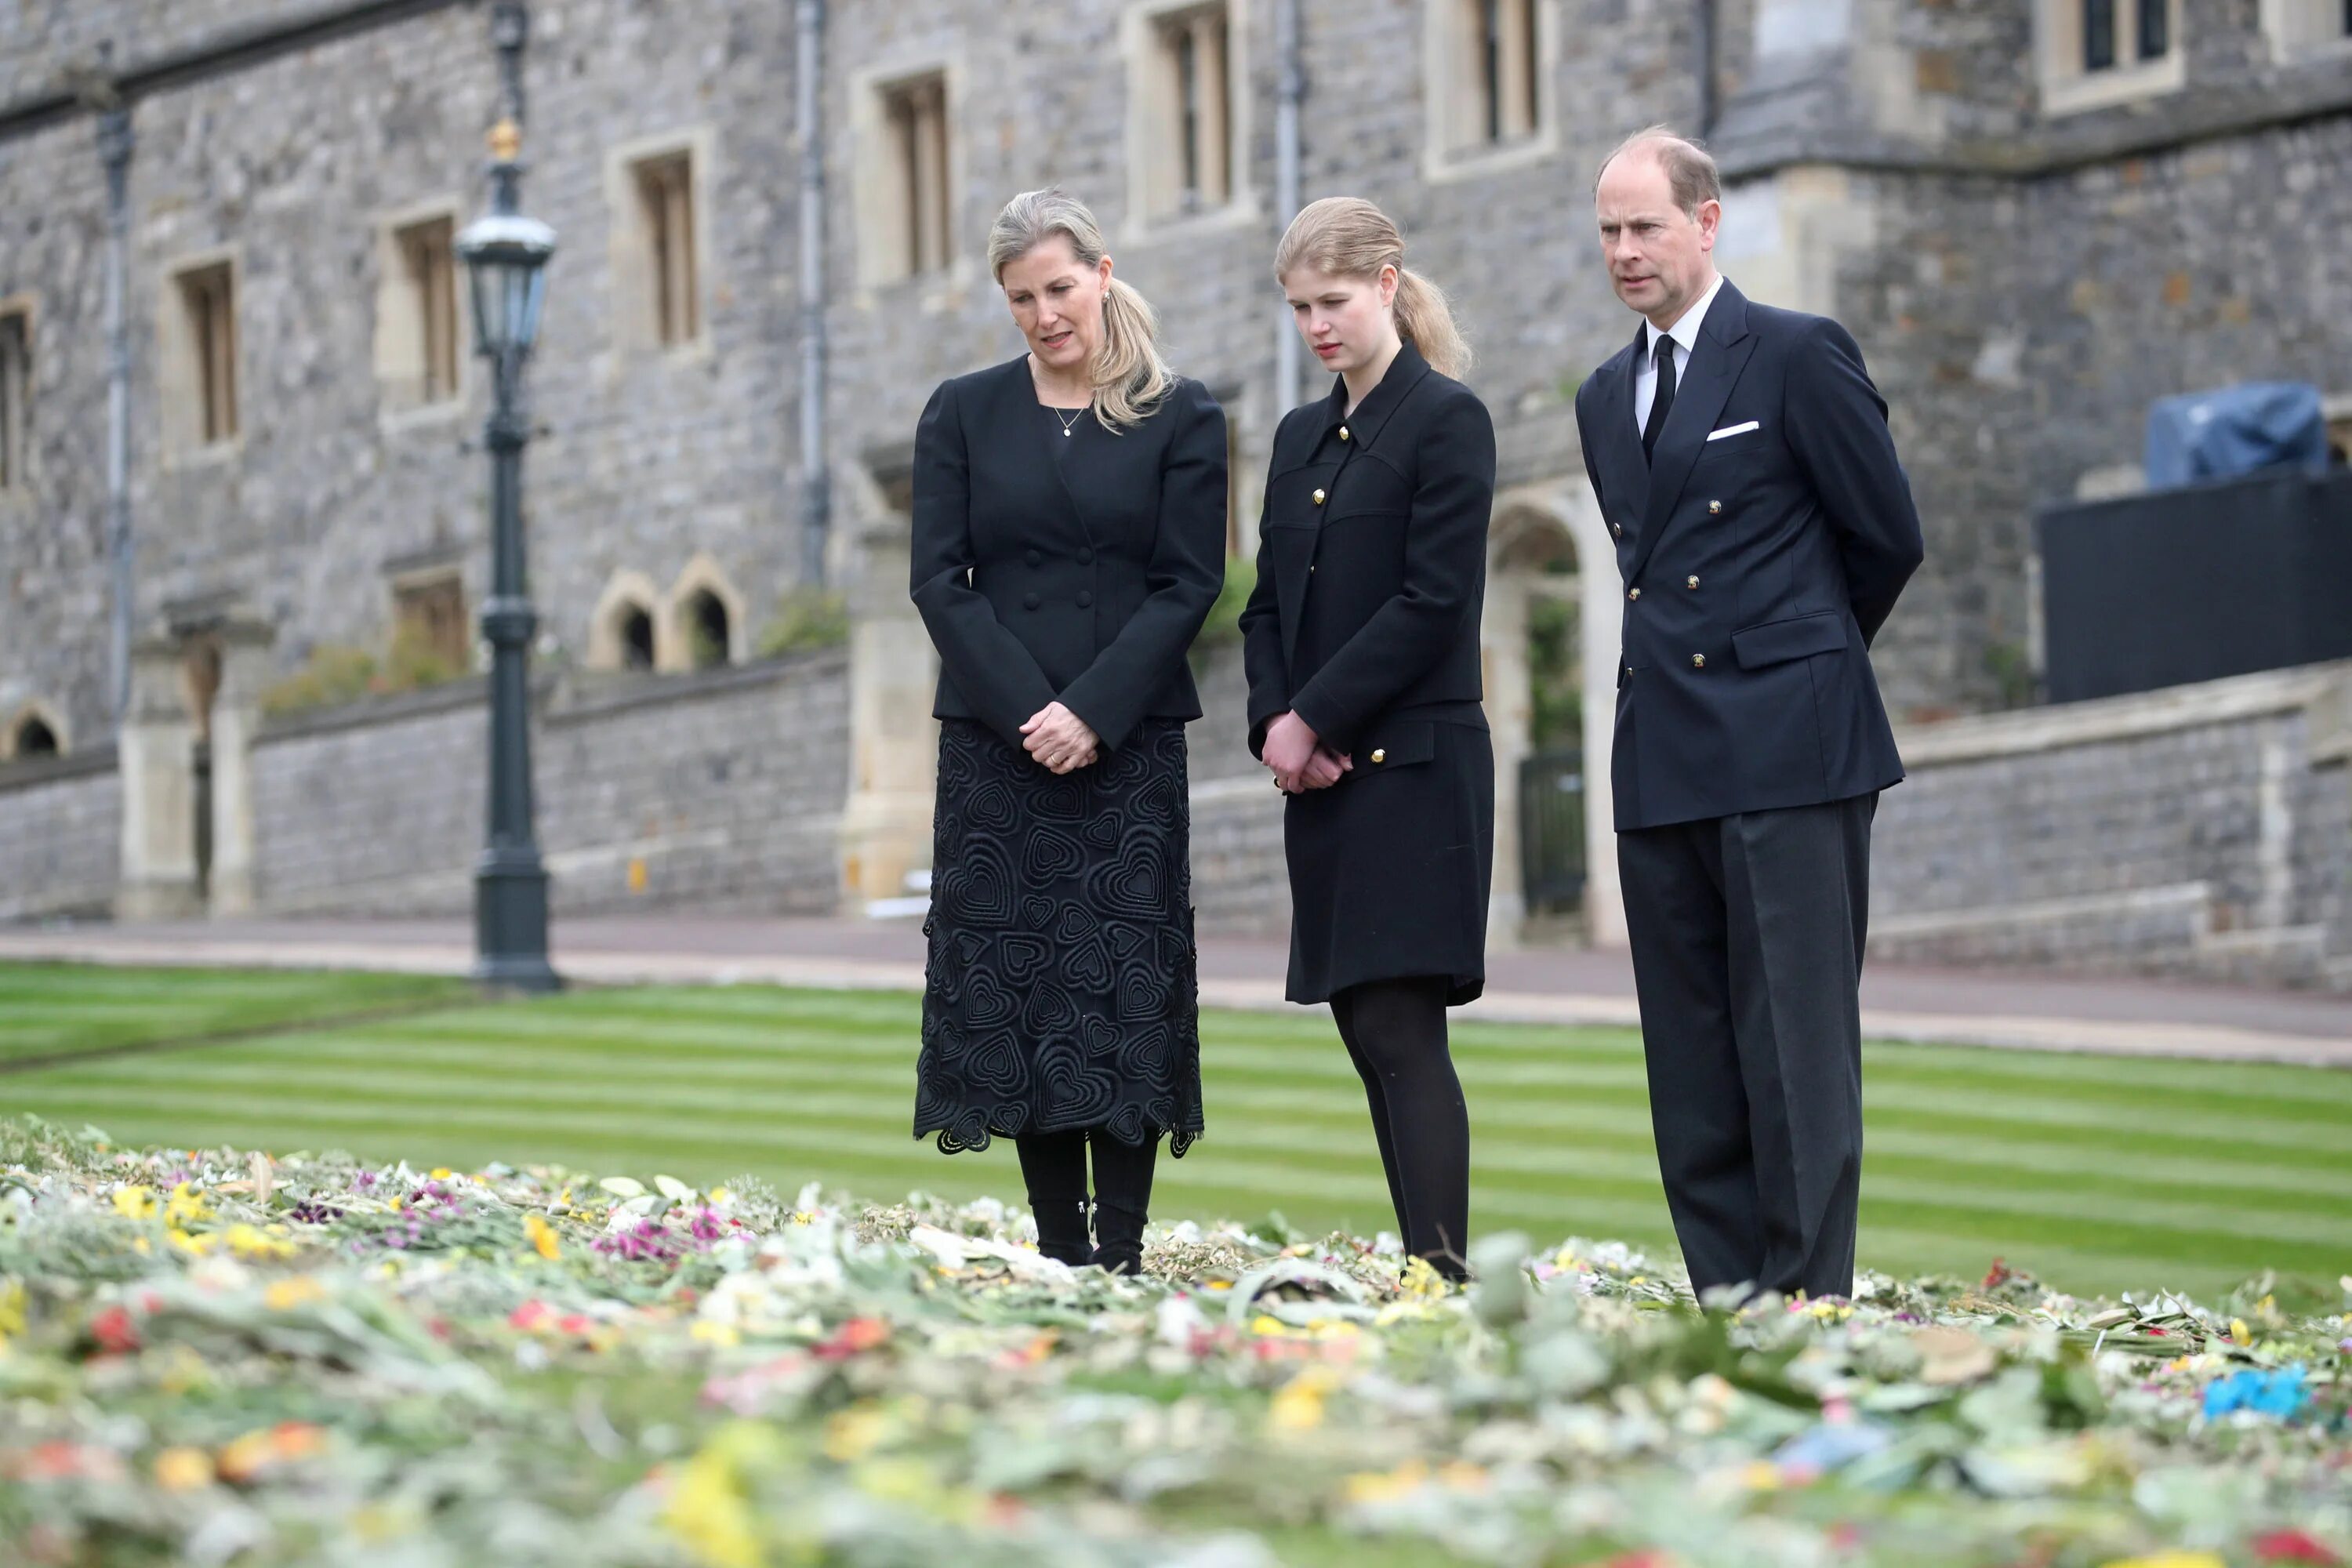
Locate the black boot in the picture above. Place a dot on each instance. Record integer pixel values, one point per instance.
(1119, 1230)
(1053, 1169)
(1062, 1230)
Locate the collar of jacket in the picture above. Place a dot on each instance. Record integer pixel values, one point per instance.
(1364, 425)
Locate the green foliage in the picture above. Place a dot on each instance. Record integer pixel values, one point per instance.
(805, 618)
(1223, 625)
(336, 674)
(1554, 676)
(2013, 675)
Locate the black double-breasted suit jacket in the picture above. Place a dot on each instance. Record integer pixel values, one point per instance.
(1364, 622)
(1762, 547)
(1080, 574)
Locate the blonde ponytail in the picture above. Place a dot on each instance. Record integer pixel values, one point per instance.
(1130, 377)
(1348, 236)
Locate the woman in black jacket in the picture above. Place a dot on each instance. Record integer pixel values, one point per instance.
(1362, 645)
(1069, 535)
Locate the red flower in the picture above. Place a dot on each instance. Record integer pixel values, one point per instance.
(2291, 1546)
(115, 1331)
(856, 1334)
(1997, 1276)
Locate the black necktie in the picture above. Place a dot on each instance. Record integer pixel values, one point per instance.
(1662, 400)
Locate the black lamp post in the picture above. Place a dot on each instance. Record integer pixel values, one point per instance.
(506, 256)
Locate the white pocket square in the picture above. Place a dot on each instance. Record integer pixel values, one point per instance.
(1733, 430)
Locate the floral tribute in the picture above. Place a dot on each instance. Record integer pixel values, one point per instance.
(218, 1358)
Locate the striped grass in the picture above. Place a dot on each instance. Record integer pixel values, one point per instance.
(2100, 1173)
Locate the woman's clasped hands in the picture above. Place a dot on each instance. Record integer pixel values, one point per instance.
(1298, 760)
(1059, 739)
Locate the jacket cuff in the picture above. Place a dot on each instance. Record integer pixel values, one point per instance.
(1331, 727)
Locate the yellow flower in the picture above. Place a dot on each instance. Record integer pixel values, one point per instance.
(542, 1236)
(1266, 1325)
(194, 1246)
(186, 1205)
(442, 1173)
(1760, 1475)
(134, 1202)
(1387, 1486)
(1420, 1279)
(184, 1469)
(285, 1295)
(247, 1241)
(724, 1335)
(2240, 1332)
(854, 1433)
(12, 1308)
(2169, 1559)
(707, 1510)
(1297, 1405)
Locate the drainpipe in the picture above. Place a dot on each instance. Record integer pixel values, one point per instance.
(1289, 94)
(1703, 47)
(114, 144)
(818, 498)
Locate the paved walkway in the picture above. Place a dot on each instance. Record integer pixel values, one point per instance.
(1987, 1007)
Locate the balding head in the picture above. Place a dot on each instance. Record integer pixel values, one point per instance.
(1690, 170)
(1658, 201)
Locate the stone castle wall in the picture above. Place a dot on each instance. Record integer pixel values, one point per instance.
(61, 836)
(725, 788)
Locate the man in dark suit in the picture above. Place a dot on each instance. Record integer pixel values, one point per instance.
(1763, 528)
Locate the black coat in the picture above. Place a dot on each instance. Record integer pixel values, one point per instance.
(1081, 574)
(1371, 575)
(1758, 564)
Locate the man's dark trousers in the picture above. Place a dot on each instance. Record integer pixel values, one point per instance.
(1755, 1087)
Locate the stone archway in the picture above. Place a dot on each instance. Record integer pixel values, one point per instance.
(702, 621)
(621, 631)
(1538, 528)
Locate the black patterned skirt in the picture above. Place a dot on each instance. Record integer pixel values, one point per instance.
(1060, 992)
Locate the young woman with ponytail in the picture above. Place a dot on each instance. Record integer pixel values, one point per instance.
(1361, 646)
(1069, 538)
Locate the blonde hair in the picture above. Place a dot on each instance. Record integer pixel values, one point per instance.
(1348, 236)
(1130, 376)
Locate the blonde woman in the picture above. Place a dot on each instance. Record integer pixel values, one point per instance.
(1069, 529)
(1362, 645)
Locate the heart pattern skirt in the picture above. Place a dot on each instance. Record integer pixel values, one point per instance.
(1060, 992)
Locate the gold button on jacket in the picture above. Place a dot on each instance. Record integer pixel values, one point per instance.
(1632, 593)
(1343, 433)
(1698, 661)
(1380, 754)
(1690, 582)
(1318, 498)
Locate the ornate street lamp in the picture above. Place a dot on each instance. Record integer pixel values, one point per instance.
(506, 256)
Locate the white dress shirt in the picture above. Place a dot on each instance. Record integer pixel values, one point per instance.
(1685, 333)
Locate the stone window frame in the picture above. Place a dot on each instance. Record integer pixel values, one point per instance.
(400, 329)
(674, 648)
(1156, 187)
(1454, 94)
(33, 710)
(182, 379)
(638, 292)
(627, 592)
(2069, 86)
(18, 342)
(2304, 32)
(885, 178)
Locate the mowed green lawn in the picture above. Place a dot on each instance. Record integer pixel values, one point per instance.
(2101, 1174)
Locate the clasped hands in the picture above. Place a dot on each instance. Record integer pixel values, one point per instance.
(1298, 760)
(1059, 739)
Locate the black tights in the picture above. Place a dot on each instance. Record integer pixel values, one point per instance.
(1053, 1165)
(1395, 1032)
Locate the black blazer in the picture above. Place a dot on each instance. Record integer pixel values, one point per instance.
(1761, 550)
(1082, 575)
(1371, 559)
